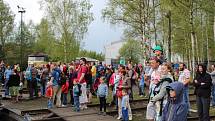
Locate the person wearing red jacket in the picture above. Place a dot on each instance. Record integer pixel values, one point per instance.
(65, 90)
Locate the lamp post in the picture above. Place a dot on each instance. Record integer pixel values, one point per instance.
(21, 10)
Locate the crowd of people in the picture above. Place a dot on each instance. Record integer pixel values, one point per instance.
(166, 86)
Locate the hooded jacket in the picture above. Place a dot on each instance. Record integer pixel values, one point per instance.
(204, 83)
(175, 109)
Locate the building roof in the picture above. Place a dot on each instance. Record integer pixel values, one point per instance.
(38, 54)
(88, 59)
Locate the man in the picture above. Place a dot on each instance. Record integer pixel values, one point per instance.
(184, 77)
(155, 71)
(93, 71)
(7, 74)
(82, 81)
(159, 53)
(55, 77)
(33, 82)
(213, 87)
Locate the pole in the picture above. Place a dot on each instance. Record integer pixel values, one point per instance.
(21, 10)
(169, 38)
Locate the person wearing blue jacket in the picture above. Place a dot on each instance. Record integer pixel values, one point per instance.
(102, 93)
(175, 109)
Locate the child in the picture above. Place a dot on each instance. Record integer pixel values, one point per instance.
(49, 94)
(175, 109)
(141, 85)
(76, 94)
(65, 89)
(125, 105)
(102, 93)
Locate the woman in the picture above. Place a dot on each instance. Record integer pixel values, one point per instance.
(160, 94)
(123, 84)
(203, 83)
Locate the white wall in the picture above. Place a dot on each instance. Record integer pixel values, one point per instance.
(112, 51)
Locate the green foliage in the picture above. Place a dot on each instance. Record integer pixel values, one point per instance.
(131, 50)
(6, 26)
(69, 20)
(92, 54)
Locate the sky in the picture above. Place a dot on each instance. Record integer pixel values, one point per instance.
(100, 33)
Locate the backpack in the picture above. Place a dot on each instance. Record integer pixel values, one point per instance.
(79, 90)
(57, 77)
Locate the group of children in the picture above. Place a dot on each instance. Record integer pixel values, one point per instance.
(102, 94)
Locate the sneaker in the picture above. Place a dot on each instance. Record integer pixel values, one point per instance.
(119, 117)
(85, 107)
(63, 106)
(141, 95)
(104, 113)
(100, 113)
(130, 118)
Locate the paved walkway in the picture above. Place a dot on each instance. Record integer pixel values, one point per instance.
(37, 106)
(86, 115)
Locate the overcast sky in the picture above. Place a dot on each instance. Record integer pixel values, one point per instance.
(100, 33)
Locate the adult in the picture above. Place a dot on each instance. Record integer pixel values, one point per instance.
(213, 87)
(158, 51)
(2, 70)
(184, 77)
(155, 71)
(160, 94)
(13, 84)
(82, 71)
(203, 83)
(131, 81)
(7, 74)
(93, 71)
(55, 77)
(123, 84)
(44, 78)
(33, 82)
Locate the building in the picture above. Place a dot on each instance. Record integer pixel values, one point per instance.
(112, 52)
(37, 58)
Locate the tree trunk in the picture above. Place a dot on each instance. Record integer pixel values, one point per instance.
(202, 44)
(169, 37)
(192, 39)
(207, 41)
(154, 21)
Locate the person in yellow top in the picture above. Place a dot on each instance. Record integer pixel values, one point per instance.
(93, 70)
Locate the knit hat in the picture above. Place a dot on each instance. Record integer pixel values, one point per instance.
(157, 48)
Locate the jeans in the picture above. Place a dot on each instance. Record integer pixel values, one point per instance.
(131, 93)
(213, 95)
(6, 87)
(71, 96)
(43, 88)
(64, 98)
(124, 114)
(203, 105)
(141, 90)
(186, 97)
(102, 103)
(33, 88)
(50, 104)
(76, 103)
